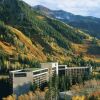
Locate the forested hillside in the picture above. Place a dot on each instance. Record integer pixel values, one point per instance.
(32, 23)
(88, 24)
(27, 37)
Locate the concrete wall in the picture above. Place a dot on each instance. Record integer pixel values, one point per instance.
(22, 85)
(50, 66)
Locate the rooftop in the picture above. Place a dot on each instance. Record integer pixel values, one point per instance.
(33, 69)
(26, 70)
(49, 63)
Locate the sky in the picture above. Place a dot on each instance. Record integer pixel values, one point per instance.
(77, 7)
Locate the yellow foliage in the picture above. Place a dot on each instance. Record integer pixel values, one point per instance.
(78, 98)
(26, 97)
(40, 17)
(9, 98)
(21, 97)
(7, 47)
(34, 51)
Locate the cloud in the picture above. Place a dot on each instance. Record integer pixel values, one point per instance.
(78, 7)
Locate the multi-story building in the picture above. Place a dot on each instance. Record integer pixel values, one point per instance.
(74, 71)
(40, 76)
(52, 67)
(21, 80)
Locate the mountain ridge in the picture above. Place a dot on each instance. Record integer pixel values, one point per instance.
(88, 24)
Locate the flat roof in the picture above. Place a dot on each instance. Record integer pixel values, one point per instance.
(28, 70)
(39, 69)
(76, 67)
(33, 69)
(49, 63)
(61, 65)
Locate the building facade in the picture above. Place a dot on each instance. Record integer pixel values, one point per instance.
(40, 77)
(21, 80)
(74, 71)
(52, 67)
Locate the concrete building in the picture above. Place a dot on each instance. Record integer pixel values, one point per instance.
(21, 80)
(74, 71)
(40, 76)
(52, 67)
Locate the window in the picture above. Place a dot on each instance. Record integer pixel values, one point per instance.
(61, 66)
(20, 75)
(38, 72)
(46, 70)
(54, 68)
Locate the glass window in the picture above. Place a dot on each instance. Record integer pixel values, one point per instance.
(20, 75)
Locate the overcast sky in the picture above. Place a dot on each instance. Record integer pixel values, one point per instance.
(78, 7)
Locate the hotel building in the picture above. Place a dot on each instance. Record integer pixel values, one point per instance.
(21, 80)
(74, 71)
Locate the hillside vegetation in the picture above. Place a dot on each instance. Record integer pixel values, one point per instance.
(13, 41)
(32, 23)
(29, 36)
(88, 24)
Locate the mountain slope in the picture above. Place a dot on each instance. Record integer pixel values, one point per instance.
(30, 22)
(91, 25)
(35, 36)
(12, 41)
